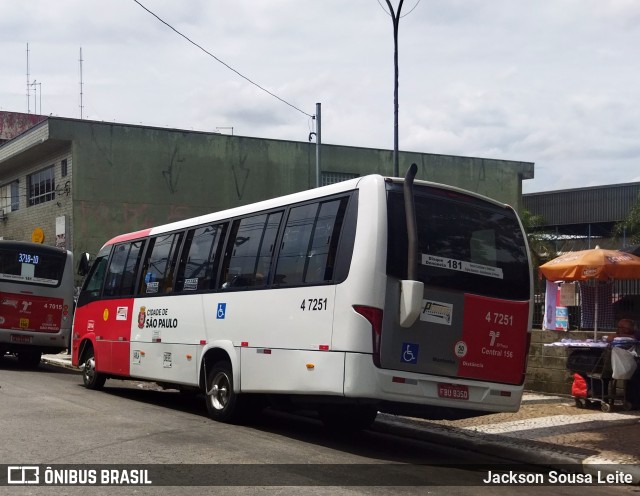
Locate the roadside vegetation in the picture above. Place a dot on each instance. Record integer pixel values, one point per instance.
(629, 228)
(541, 242)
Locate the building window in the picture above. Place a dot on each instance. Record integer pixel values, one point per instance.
(10, 197)
(63, 167)
(327, 178)
(42, 186)
(15, 196)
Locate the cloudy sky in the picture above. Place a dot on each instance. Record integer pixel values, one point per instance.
(554, 82)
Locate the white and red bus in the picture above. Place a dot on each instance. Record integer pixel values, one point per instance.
(36, 300)
(374, 294)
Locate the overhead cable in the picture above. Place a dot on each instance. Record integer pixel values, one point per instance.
(222, 62)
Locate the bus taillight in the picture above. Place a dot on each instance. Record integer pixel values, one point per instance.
(374, 316)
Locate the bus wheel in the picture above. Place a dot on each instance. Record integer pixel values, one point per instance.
(348, 419)
(29, 359)
(222, 402)
(90, 376)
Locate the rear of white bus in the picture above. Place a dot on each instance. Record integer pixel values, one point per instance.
(36, 300)
(465, 350)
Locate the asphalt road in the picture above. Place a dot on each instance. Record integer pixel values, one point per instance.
(48, 418)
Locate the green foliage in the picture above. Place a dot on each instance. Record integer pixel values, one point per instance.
(531, 221)
(541, 244)
(629, 228)
(540, 241)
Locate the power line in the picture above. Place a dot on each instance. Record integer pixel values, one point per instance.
(220, 61)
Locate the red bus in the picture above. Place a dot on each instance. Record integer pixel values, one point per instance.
(36, 300)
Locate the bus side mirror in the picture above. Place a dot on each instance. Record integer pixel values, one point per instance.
(410, 301)
(84, 264)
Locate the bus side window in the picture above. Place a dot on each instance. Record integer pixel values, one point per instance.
(160, 261)
(199, 258)
(122, 269)
(130, 269)
(115, 270)
(292, 261)
(310, 243)
(265, 256)
(95, 279)
(250, 251)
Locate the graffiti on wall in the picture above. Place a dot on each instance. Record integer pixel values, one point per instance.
(240, 175)
(172, 174)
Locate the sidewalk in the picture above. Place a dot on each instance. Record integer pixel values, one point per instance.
(547, 430)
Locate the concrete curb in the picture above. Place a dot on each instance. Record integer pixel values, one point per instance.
(59, 362)
(524, 451)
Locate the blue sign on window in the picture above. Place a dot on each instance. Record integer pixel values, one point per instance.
(222, 311)
(409, 353)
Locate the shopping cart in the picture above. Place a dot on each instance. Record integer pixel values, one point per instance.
(594, 365)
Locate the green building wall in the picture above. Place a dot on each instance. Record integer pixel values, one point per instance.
(127, 178)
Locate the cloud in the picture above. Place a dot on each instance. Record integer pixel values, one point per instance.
(552, 82)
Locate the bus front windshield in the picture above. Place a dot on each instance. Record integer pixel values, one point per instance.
(464, 244)
(32, 265)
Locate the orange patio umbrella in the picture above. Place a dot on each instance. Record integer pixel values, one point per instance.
(592, 265)
(595, 264)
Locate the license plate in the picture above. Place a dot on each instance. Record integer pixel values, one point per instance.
(453, 391)
(20, 339)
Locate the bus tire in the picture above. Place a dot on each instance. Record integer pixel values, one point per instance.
(91, 378)
(350, 418)
(29, 359)
(223, 404)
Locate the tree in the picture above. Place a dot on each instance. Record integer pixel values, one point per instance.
(629, 228)
(540, 242)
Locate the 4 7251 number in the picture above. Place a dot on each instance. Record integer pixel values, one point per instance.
(313, 304)
(499, 318)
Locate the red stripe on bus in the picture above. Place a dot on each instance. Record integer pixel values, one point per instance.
(126, 237)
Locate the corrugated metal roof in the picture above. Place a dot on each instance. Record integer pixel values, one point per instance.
(583, 205)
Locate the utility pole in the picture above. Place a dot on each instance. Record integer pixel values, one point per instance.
(318, 143)
(395, 17)
(81, 106)
(28, 89)
(36, 87)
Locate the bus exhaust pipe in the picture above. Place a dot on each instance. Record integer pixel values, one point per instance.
(411, 290)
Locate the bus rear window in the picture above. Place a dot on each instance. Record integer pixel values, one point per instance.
(33, 266)
(464, 244)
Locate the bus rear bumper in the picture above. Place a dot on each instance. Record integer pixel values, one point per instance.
(408, 390)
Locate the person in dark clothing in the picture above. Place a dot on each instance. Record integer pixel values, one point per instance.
(626, 329)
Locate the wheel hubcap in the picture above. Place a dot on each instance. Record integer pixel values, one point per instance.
(219, 392)
(90, 369)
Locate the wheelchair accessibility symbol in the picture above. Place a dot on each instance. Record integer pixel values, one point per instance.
(222, 310)
(409, 353)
